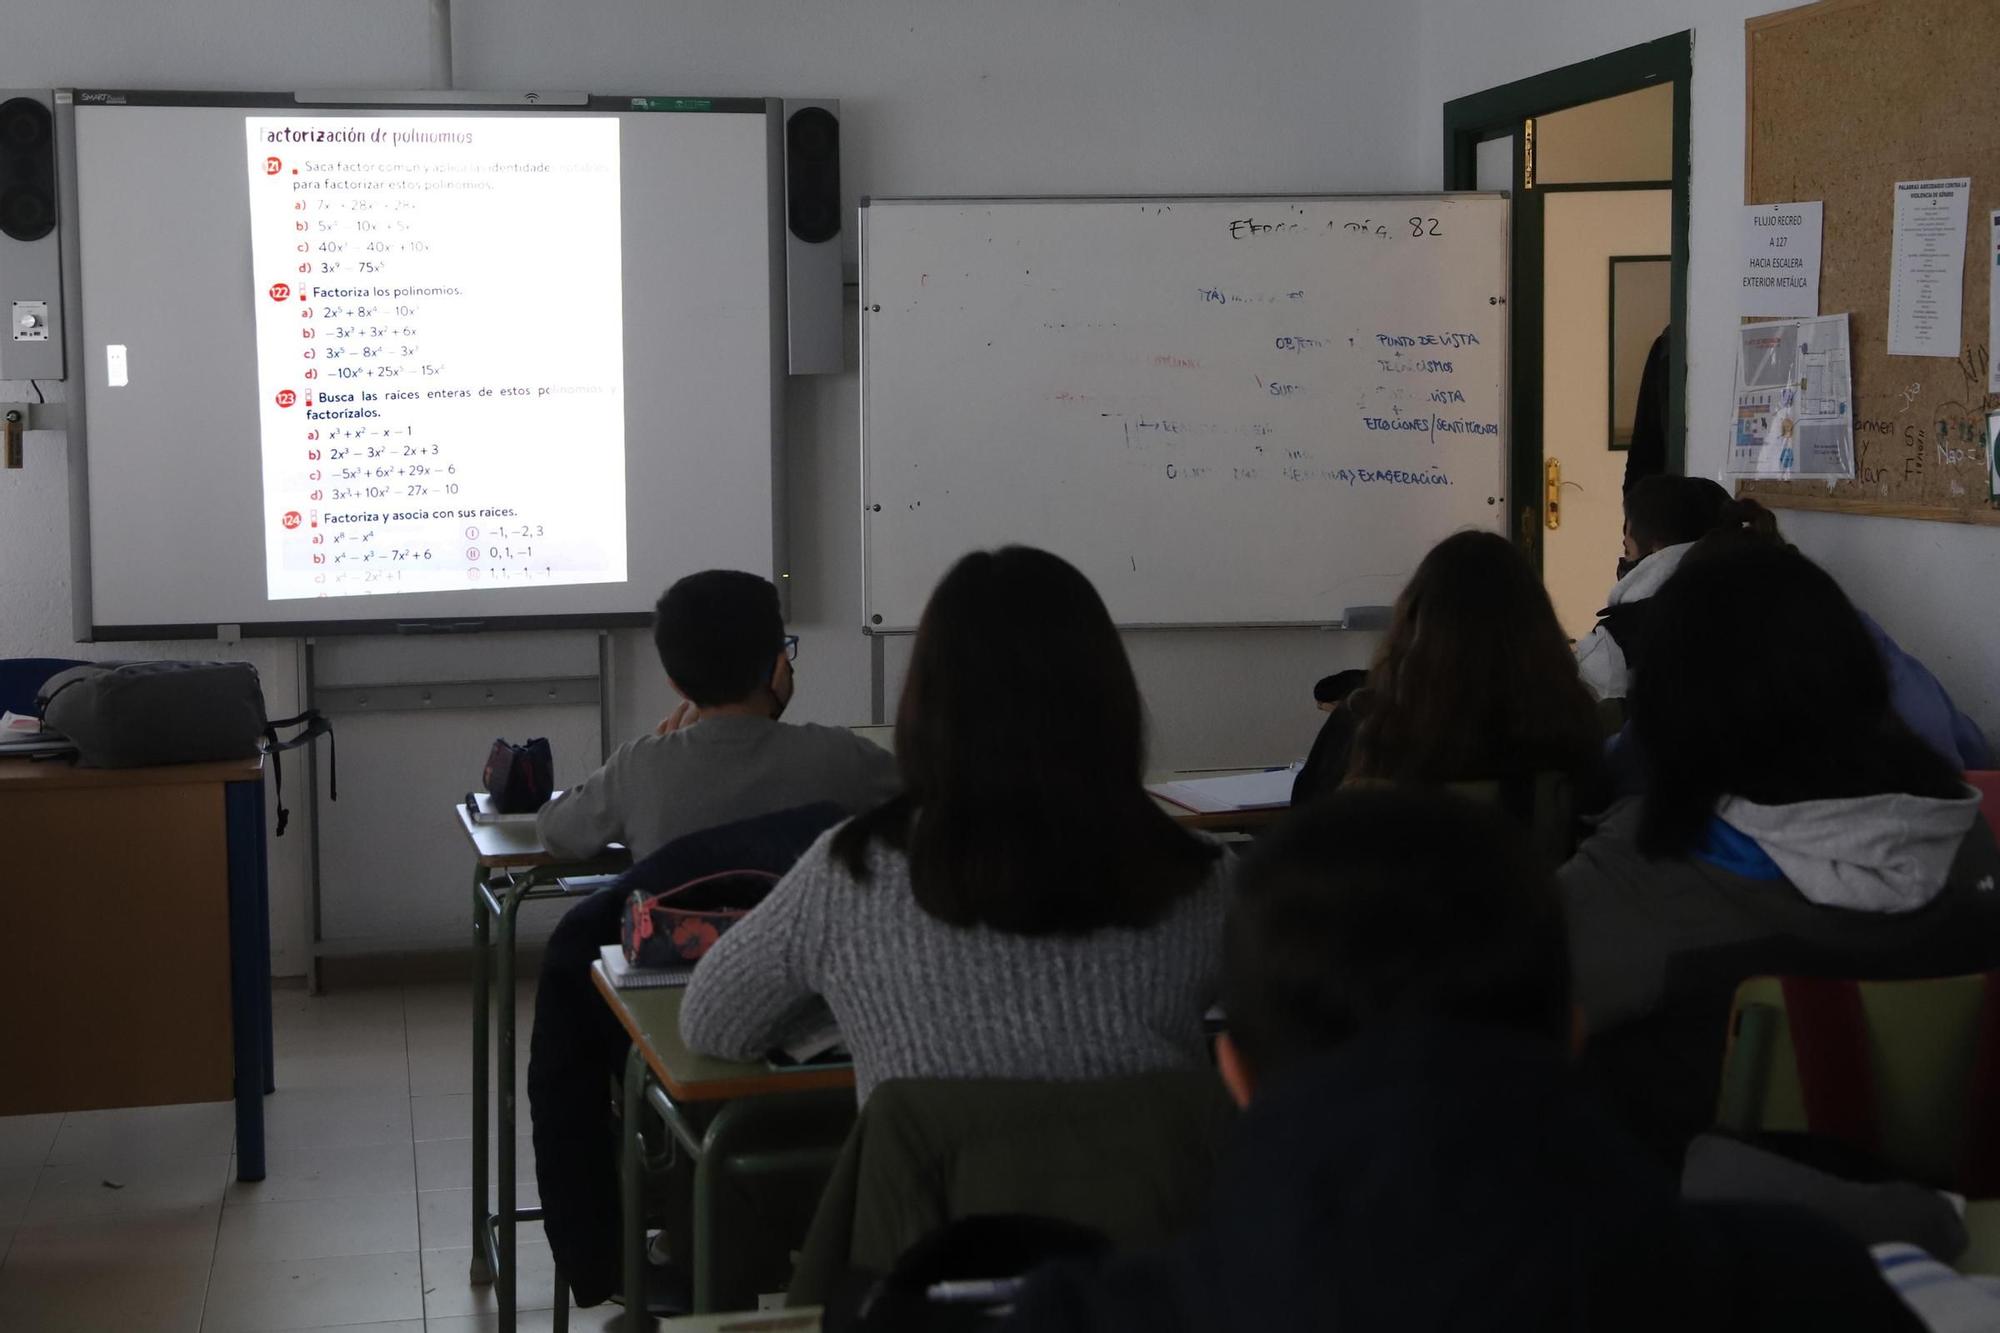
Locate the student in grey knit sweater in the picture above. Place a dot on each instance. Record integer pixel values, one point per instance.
(1023, 909)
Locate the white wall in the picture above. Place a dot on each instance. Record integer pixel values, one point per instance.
(940, 96)
(1913, 577)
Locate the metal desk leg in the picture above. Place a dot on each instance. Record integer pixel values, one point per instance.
(506, 1280)
(728, 1147)
(631, 1204)
(705, 1168)
(481, 962)
(249, 992)
(264, 950)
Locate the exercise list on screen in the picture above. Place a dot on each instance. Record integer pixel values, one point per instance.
(440, 352)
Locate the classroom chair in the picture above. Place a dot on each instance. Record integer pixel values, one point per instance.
(1544, 805)
(769, 1162)
(1130, 1157)
(1906, 1071)
(20, 677)
(1987, 784)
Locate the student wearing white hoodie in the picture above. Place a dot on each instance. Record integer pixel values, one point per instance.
(1792, 823)
(1664, 516)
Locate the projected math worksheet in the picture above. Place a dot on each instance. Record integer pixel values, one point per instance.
(440, 351)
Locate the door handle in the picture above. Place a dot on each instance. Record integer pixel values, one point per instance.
(1552, 488)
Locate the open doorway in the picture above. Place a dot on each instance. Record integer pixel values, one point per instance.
(1595, 159)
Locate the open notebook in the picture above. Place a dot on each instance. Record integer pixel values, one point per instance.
(1267, 790)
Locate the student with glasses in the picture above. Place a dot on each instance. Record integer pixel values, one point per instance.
(723, 754)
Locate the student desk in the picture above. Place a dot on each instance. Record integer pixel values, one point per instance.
(135, 943)
(712, 1107)
(510, 867)
(1220, 821)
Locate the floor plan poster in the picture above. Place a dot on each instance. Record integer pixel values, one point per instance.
(1794, 404)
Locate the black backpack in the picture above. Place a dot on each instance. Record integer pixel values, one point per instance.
(138, 714)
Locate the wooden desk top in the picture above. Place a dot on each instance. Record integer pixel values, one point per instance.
(518, 846)
(652, 1018)
(1221, 821)
(17, 774)
(503, 846)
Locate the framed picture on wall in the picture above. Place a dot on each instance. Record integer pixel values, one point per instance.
(1641, 309)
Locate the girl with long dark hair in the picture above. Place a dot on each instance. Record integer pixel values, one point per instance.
(1023, 908)
(1791, 823)
(1474, 681)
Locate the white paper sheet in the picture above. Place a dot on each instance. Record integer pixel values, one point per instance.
(1927, 267)
(1780, 260)
(1268, 790)
(1794, 404)
(1993, 304)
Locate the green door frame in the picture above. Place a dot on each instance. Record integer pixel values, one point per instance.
(1472, 120)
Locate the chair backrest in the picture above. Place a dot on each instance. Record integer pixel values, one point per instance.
(882, 734)
(1987, 783)
(1921, 1042)
(1544, 804)
(20, 677)
(1130, 1157)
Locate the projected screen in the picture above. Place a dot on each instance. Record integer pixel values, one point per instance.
(406, 425)
(362, 366)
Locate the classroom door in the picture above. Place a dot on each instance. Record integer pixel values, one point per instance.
(1617, 124)
(1596, 245)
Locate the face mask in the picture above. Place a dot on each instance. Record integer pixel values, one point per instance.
(1626, 566)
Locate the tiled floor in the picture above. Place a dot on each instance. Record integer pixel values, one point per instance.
(132, 1221)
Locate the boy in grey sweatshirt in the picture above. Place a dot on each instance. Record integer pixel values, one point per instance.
(723, 755)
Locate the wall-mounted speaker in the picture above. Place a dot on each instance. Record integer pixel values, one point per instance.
(814, 337)
(31, 343)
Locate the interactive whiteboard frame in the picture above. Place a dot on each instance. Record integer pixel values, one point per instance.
(1372, 617)
(69, 237)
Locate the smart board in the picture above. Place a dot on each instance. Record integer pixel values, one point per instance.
(1224, 411)
(350, 363)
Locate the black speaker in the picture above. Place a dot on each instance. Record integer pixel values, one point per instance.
(815, 329)
(812, 175)
(27, 169)
(31, 340)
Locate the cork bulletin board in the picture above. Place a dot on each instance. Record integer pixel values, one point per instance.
(1846, 98)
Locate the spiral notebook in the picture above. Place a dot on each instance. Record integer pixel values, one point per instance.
(627, 977)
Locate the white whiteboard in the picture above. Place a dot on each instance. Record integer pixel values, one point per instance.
(1223, 410)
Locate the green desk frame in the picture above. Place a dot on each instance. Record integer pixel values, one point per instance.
(735, 1121)
(512, 869)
